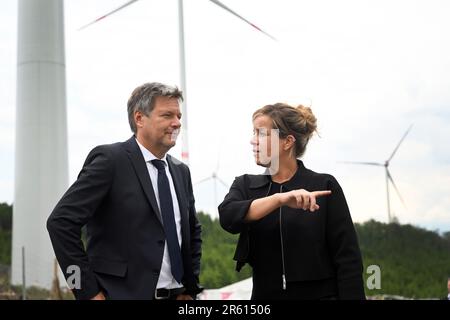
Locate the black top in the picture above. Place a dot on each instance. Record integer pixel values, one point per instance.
(319, 250)
(265, 242)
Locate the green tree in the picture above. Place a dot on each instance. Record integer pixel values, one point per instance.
(5, 216)
(5, 233)
(218, 266)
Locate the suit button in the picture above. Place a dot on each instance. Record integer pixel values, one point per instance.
(161, 243)
(156, 272)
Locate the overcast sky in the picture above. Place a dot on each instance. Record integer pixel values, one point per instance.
(369, 69)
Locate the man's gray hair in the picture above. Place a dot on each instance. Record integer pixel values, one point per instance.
(143, 99)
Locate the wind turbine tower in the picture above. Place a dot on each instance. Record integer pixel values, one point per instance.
(41, 170)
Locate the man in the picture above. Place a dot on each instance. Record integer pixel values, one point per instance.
(137, 203)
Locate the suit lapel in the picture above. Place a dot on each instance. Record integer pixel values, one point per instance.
(177, 177)
(141, 170)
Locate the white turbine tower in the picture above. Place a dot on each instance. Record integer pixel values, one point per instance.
(41, 171)
(388, 174)
(184, 119)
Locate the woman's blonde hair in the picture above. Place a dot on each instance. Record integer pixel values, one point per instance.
(298, 121)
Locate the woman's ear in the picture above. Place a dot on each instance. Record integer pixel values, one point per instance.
(290, 142)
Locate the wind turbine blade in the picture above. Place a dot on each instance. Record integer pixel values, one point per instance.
(217, 165)
(108, 14)
(395, 187)
(220, 4)
(218, 160)
(398, 145)
(222, 182)
(203, 180)
(364, 163)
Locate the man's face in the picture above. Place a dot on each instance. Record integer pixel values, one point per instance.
(159, 130)
(448, 285)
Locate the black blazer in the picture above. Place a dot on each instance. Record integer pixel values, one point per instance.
(113, 197)
(318, 245)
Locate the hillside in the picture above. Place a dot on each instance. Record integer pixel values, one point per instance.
(414, 262)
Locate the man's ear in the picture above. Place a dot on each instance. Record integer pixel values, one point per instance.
(138, 119)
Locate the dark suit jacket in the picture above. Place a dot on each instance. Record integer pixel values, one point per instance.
(113, 197)
(317, 246)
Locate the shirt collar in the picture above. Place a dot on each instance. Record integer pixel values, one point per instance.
(297, 179)
(148, 156)
(260, 181)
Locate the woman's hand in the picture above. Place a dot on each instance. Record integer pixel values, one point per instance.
(297, 199)
(302, 199)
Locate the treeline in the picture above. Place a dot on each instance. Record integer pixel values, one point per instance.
(414, 262)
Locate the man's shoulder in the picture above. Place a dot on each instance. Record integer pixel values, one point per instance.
(109, 146)
(107, 149)
(115, 146)
(110, 151)
(177, 162)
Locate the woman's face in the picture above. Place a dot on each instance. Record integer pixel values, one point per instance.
(264, 141)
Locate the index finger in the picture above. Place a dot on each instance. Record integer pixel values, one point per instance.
(321, 193)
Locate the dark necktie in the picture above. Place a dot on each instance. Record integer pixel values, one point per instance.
(170, 228)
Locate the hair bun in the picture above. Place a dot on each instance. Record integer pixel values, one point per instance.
(308, 119)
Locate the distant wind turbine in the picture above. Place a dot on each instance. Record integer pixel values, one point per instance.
(388, 174)
(215, 179)
(184, 120)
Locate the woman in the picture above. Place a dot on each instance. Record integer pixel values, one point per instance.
(300, 244)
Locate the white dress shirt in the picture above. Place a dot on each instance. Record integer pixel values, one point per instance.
(165, 280)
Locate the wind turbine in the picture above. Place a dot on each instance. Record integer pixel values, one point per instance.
(184, 119)
(41, 165)
(385, 164)
(216, 179)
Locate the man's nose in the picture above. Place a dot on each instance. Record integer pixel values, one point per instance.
(176, 123)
